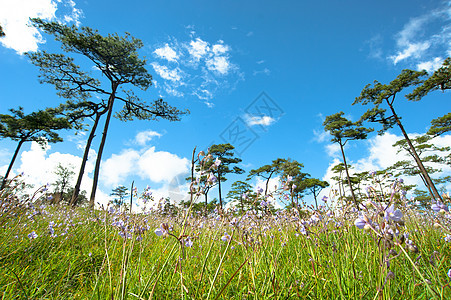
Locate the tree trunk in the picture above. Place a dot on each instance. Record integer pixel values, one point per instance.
(11, 164)
(206, 203)
(102, 144)
(347, 175)
(435, 194)
(76, 192)
(219, 189)
(314, 197)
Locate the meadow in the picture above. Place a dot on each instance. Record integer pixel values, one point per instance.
(388, 248)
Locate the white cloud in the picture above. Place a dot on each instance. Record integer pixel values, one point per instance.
(39, 166)
(157, 166)
(167, 53)
(14, 18)
(220, 48)
(333, 150)
(219, 64)
(431, 66)
(320, 135)
(265, 71)
(165, 73)
(380, 155)
(203, 68)
(198, 49)
(161, 166)
(146, 136)
(259, 120)
(424, 37)
(118, 167)
(411, 50)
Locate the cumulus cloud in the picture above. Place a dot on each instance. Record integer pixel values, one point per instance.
(424, 37)
(258, 120)
(14, 18)
(156, 166)
(380, 155)
(39, 167)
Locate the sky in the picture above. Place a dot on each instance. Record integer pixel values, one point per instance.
(261, 75)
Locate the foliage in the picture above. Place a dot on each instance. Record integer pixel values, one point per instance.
(343, 130)
(118, 61)
(223, 156)
(40, 127)
(119, 193)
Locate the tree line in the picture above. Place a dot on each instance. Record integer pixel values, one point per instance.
(93, 95)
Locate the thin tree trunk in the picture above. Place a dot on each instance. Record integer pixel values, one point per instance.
(206, 202)
(314, 196)
(219, 188)
(5, 179)
(435, 194)
(76, 192)
(347, 174)
(102, 144)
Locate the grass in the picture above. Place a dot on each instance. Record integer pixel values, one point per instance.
(320, 255)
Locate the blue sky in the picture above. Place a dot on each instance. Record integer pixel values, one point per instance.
(272, 69)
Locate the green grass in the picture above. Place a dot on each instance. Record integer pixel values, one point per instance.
(266, 258)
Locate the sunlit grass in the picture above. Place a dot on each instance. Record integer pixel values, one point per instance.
(265, 257)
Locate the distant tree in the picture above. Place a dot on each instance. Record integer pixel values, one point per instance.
(377, 94)
(2, 33)
(224, 154)
(267, 171)
(339, 169)
(199, 207)
(40, 127)
(119, 193)
(117, 60)
(205, 181)
(314, 186)
(427, 153)
(240, 192)
(292, 169)
(342, 131)
(64, 175)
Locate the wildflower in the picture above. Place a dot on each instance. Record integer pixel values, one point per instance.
(163, 230)
(325, 198)
(392, 214)
(362, 222)
(211, 178)
(449, 273)
(439, 207)
(32, 235)
(259, 190)
(188, 242)
(226, 237)
(217, 162)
